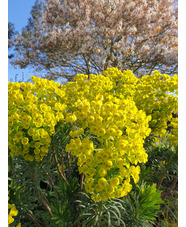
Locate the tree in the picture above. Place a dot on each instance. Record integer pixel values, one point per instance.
(11, 34)
(69, 37)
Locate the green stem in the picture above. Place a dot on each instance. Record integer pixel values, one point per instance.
(51, 182)
(162, 176)
(12, 168)
(35, 220)
(58, 168)
(69, 169)
(42, 200)
(81, 181)
(62, 165)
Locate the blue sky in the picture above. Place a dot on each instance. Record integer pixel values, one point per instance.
(18, 14)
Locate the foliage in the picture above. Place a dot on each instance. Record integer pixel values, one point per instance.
(163, 162)
(94, 136)
(142, 206)
(65, 212)
(162, 168)
(25, 191)
(138, 208)
(69, 37)
(99, 213)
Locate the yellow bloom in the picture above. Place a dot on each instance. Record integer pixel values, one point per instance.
(108, 164)
(119, 162)
(10, 219)
(13, 211)
(24, 140)
(102, 172)
(102, 182)
(114, 181)
(110, 189)
(101, 131)
(36, 137)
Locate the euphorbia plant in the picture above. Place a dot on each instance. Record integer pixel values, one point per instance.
(107, 119)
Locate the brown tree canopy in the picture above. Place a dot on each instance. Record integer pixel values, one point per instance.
(66, 37)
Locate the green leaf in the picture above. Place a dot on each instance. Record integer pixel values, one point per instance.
(54, 218)
(108, 217)
(119, 214)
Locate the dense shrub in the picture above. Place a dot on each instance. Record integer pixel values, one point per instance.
(101, 128)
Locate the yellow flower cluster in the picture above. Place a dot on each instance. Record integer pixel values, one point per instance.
(157, 95)
(12, 212)
(110, 115)
(34, 110)
(120, 129)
